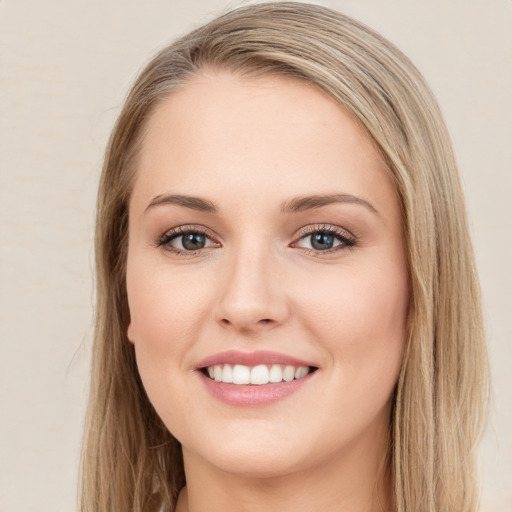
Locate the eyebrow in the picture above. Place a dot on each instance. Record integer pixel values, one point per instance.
(300, 204)
(194, 203)
(295, 205)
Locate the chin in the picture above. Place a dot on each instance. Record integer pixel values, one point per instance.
(254, 458)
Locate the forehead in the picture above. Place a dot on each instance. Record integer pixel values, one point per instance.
(222, 134)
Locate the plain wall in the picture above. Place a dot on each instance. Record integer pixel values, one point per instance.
(65, 66)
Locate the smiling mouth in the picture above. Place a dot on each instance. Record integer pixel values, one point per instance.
(256, 375)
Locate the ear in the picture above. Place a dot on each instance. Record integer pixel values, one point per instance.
(130, 334)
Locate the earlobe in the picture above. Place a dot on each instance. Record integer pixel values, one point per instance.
(130, 334)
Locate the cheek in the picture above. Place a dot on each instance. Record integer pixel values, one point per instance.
(360, 315)
(167, 313)
(166, 307)
(361, 323)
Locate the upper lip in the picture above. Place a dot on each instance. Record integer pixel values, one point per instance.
(251, 359)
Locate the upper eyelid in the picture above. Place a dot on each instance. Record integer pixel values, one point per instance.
(170, 234)
(315, 228)
(185, 228)
(189, 228)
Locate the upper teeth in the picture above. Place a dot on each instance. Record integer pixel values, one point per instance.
(261, 374)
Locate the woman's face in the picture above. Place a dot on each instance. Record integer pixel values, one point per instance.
(265, 244)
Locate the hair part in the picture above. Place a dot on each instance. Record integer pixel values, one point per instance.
(130, 461)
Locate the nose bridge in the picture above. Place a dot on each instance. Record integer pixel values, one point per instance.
(252, 292)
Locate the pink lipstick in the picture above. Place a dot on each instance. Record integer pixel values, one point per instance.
(250, 379)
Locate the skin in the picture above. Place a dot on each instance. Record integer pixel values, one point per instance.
(250, 146)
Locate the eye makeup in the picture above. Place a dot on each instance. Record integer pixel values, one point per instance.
(324, 239)
(187, 240)
(190, 240)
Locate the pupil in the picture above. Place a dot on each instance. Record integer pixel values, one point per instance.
(322, 241)
(193, 241)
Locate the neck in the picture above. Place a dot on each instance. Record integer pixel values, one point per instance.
(356, 480)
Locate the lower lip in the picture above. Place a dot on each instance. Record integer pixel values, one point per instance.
(241, 395)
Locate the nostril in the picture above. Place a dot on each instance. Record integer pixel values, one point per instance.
(246, 324)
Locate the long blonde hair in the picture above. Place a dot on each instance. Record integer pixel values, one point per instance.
(130, 461)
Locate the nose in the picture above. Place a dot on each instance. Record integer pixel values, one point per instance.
(252, 298)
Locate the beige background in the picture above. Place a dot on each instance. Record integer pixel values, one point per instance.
(65, 66)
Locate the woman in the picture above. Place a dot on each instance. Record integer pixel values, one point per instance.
(288, 311)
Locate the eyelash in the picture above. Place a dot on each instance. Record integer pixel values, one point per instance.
(166, 239)
(348, 241)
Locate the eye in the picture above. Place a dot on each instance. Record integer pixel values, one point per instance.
(325, 239)
(186, 239)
